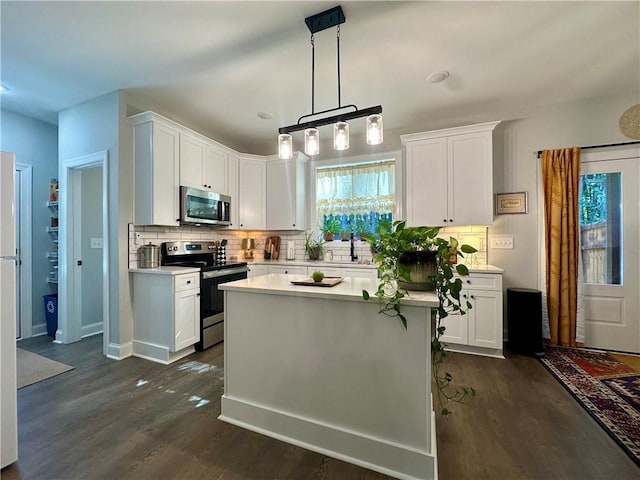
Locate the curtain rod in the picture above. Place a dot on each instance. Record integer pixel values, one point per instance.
(601, 146)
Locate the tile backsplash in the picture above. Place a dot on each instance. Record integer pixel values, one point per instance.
(144, 234)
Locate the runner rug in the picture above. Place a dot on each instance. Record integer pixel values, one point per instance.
(607, 385)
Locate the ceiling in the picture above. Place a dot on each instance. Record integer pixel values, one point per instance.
(213, 66)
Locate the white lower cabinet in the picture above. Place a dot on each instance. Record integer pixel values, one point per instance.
(257, 270)
(479, 330)
(288, 269)
(166, 314)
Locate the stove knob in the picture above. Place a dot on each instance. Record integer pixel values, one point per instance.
(175, 248)
(210, 247)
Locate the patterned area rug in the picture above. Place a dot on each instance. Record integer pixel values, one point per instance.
(607, 386)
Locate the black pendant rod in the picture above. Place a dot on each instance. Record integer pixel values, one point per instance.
(338, 43)
(604, 145)
(313, 75)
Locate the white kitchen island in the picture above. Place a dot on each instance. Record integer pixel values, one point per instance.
(318, 367)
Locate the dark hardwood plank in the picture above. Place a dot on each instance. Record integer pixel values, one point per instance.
(95, 422)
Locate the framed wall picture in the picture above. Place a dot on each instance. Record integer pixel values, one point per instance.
(511, 203)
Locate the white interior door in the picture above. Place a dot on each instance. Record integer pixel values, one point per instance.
(610, 228)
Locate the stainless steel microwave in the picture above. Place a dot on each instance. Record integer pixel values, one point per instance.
(201, 207)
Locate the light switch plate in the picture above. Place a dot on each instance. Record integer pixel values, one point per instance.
(502, 242)
(96, 243)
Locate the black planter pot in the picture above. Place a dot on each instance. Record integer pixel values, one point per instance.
(422, 265)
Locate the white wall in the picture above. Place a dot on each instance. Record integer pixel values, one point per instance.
(591, 122)
(35, 143)
(87, 128)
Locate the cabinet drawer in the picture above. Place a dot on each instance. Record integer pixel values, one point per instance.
(483, 281)
(187, 281)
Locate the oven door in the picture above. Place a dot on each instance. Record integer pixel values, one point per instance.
(212, 303)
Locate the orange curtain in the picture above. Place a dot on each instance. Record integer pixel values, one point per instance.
(561, 181)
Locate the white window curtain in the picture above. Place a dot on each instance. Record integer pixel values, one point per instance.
(356, 189)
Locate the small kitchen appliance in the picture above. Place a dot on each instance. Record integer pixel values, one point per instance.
(204, 207)
(148, 256)
(248, 245)
(213, 272)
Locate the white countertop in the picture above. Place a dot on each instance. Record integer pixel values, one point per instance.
(166, 270)
(484, 269)
(311, 263)
(349, 289)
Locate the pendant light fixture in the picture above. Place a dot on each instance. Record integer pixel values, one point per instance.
(333, 17)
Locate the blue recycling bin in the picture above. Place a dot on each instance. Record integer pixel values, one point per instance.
(51, 313)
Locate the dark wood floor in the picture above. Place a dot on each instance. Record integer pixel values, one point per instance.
(137, 419)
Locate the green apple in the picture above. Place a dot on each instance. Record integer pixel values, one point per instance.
(317, 276)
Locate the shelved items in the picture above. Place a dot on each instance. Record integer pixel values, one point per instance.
(52, 229)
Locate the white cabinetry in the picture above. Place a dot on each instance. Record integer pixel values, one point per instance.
(449, 176)
(288, 269)
(203, 164)
(251, 204)
(166, 314)
(232, 188)
(257, 270)
(156, 170)
(286, 193)
(479, 330)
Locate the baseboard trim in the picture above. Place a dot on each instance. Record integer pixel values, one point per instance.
(119, 352)
(92, 329)
(40, 329)
(367, 451)
(485, 352)
(159, 353)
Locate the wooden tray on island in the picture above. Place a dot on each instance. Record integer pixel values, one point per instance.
(326, 281)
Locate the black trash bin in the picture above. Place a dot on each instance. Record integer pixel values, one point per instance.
(51, 313)
(524, 321)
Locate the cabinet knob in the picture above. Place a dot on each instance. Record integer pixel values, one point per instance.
(451, 220)
(472, 296)
(464, 296)
(294, 224)
(188, 282)
(468, 281)
(444, 220)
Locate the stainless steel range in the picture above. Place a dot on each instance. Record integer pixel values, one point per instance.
(214, 270)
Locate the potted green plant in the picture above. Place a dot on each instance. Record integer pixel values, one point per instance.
(331, 227)
(417, 258)
(313, 247)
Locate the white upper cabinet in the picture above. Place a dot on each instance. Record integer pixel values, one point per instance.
(251, 204)
(156, 150)
(192, 155)
(449, 176)
(203, 165)
(286, 193)
(232, 188)
(216, 169)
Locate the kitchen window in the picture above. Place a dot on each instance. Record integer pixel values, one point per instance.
(357, 197)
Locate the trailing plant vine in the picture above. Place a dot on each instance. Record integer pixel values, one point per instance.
(389, 244)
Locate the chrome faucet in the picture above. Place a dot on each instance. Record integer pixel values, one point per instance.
(354, 257)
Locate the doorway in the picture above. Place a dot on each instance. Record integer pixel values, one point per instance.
(83, 302)
(610, 233)
(23, 215)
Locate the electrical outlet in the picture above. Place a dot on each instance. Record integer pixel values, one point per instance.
(137, 238)
(96, 243)
(502, 242)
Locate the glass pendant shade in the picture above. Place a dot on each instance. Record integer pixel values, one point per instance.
(311, 141)
(341, 136)
(285, 146)
(374, 130)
